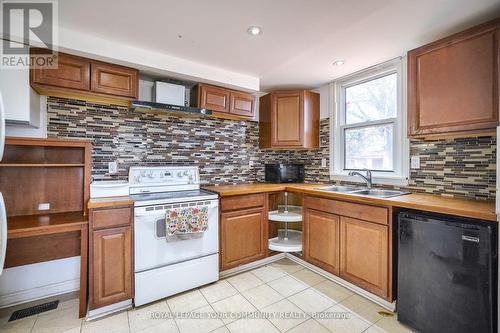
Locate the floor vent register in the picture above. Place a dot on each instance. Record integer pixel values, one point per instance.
(34, 310)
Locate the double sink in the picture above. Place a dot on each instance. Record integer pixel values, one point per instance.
(363, 191)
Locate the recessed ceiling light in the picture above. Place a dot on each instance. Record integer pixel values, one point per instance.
(338, 62)
(254, 30)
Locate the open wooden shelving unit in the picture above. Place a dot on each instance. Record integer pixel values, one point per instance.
(56, 172)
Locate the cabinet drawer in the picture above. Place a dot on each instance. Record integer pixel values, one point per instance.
(354, 210)
(108, 218)
(242, 202)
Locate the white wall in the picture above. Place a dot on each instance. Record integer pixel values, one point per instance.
(27, 131)
(324, 101)
(30, 282)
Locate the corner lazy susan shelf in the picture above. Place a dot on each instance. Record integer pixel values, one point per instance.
(287, 240)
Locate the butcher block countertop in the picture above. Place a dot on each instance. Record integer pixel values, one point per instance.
(477, 209)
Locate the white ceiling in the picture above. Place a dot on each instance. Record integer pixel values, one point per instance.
(301, 38)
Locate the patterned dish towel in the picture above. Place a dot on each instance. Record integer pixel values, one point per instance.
(189, 220)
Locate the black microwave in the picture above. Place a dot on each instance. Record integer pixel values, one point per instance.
(284, 173)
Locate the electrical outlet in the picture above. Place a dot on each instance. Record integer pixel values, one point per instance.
(415, 162)
(323, 162)
(112, 168)
(44, 206)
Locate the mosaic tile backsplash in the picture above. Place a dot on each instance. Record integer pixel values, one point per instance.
(464, 167)
(223, 149)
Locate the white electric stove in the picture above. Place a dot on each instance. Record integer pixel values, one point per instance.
(165, 266)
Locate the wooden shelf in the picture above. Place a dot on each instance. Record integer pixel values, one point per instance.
(34, 225)
(40, 165)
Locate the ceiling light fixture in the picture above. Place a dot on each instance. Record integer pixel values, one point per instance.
(254, 30)
(338, 62)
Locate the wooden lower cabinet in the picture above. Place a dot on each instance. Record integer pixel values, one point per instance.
(358, 250)
(321, 239)
(243, 237)
(111, 273)
(112, 280)
(364, 257)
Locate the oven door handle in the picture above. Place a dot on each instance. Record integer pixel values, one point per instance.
(156, 213)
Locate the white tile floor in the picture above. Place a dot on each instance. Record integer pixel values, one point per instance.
(283, 295)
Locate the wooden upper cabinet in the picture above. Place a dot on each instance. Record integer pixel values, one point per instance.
(321, 239)
(364, 255)
(289, 119)
(86, 77)
(72, 73)
(242, 104)
(225, 103)
(453, 84)
(112, 267)
(114, 80)
(213, 98)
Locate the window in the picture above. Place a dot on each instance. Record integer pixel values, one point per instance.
(369, 125)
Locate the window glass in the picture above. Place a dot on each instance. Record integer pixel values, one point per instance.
(369, 148)
(371, 100)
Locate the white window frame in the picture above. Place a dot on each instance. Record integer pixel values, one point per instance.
(398, 177)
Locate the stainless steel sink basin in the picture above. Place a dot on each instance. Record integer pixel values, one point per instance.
(340, 189)
(379, 193)
(360, 191)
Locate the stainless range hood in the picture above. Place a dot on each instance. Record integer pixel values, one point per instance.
(145, 106)
(165, 97)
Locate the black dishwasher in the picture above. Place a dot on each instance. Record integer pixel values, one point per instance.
(447, 273)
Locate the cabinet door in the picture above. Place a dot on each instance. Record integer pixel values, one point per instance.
(242, 104)
(287, 119)
(213, 98)
(453, 84)
(321, 240)
(364, 255)
(114, 80)
(112, 267)
(243, 237)
(72, 72)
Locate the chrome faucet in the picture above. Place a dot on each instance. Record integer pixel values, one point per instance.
(367, 178)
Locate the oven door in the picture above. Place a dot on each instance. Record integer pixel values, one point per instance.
(152, 249)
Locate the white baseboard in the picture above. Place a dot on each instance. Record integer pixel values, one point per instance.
(109, 309)
(380, 301)
(250, 266)
(34, 294)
